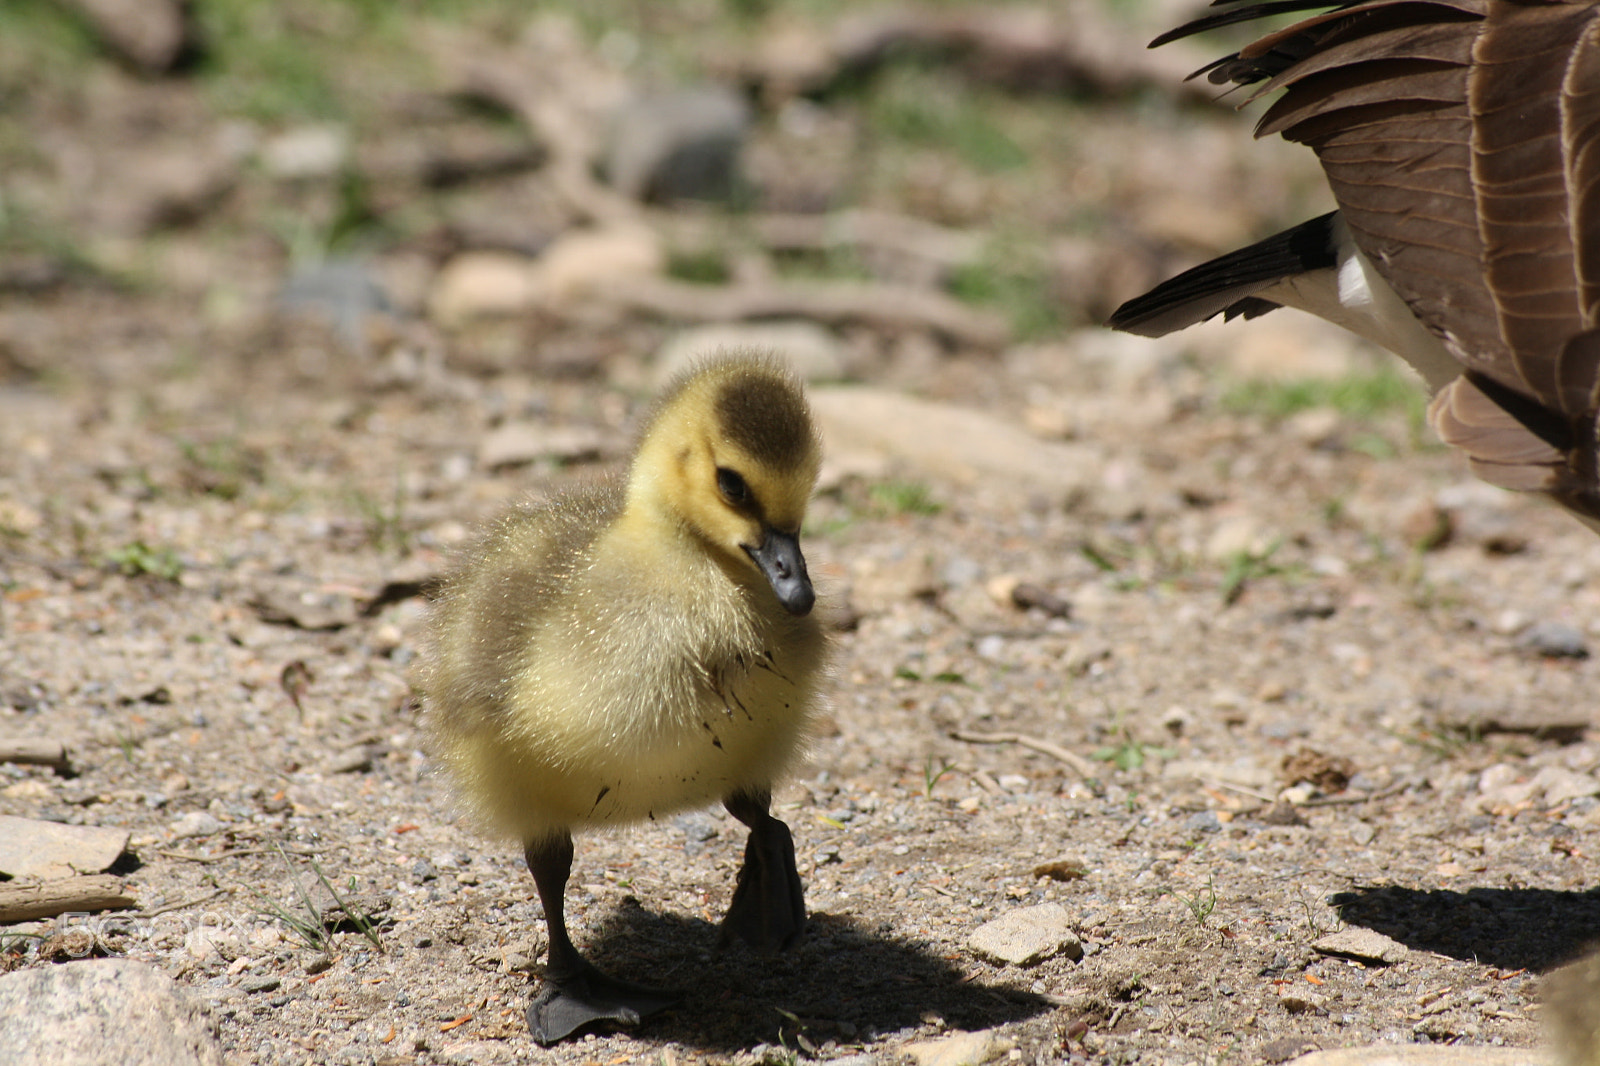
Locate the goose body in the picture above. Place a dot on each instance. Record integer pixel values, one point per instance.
(621, 652)
(1461, 139)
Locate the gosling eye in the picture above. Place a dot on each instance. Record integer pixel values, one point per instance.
(734, 488)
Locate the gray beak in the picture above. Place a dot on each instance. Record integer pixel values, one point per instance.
(785, 569)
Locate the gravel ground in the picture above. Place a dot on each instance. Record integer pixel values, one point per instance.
(1241, 708)
(150, 621)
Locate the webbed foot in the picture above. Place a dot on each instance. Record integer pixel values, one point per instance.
(569, 1004)
(768, 910)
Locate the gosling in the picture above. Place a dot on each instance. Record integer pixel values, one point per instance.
(621, 652)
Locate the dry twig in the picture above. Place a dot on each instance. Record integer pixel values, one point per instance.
(886, 306)
(100, 892)
(1084, 767)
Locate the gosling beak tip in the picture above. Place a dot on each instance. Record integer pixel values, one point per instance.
(784, 567)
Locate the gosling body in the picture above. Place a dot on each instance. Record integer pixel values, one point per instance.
(636, 648)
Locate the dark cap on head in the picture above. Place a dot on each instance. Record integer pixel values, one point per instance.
(764, 414)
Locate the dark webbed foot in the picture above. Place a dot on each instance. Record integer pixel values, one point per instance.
(573, 1002)
(576, 995)
(768, 910)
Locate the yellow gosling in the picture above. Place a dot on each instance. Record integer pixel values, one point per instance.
(621, 652)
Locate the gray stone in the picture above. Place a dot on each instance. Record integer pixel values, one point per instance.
(31, 847)
(195, 824)
(318, 151)
(1558, 785)
(356, 760)
(1554, 720)
(343, 291)
(681, 145)
(111, 1011)
(1363, 944)
(1554, 640)
(253, 985)
(1027, 936)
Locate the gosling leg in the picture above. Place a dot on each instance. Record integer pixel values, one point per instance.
(576, 994)
(768, 910)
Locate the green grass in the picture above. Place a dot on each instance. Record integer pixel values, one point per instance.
(224, 468)
(136, 559)
(309, 922)
(1017, 285)
(385, 521)
(1202, 903)
(894, 498)
(933, 771)
(705, 266)
(1360, 395)
(40, 38)
(1246, 566)
(915, 105)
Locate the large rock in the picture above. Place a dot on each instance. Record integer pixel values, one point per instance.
(950, 443)
(32, 847)
(111, 1011)
(681, 145)
(1027, 935)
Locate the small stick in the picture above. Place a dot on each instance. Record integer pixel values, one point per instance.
(35, 752)
(1084, 767)
(1338, 801)
(226, 855)
(187, 903)
(100, 892)
(1242, 790)
(877, 303)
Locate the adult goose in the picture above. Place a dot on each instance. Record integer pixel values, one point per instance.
(1461, 139)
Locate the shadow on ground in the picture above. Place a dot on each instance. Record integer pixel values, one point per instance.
(1511, 928)
(843, 983)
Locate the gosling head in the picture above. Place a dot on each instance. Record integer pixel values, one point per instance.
(731, 453)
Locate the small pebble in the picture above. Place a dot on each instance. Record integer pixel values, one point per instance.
(1554, 640)
(195, 824)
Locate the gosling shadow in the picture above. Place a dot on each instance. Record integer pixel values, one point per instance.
(1510, 928)
(843, 982)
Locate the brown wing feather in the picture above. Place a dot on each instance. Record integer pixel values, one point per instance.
(1462, 141)
(1580, 118)
(1394, 133)
(1519, 174)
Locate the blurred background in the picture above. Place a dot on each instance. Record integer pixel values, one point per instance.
(560, 185)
